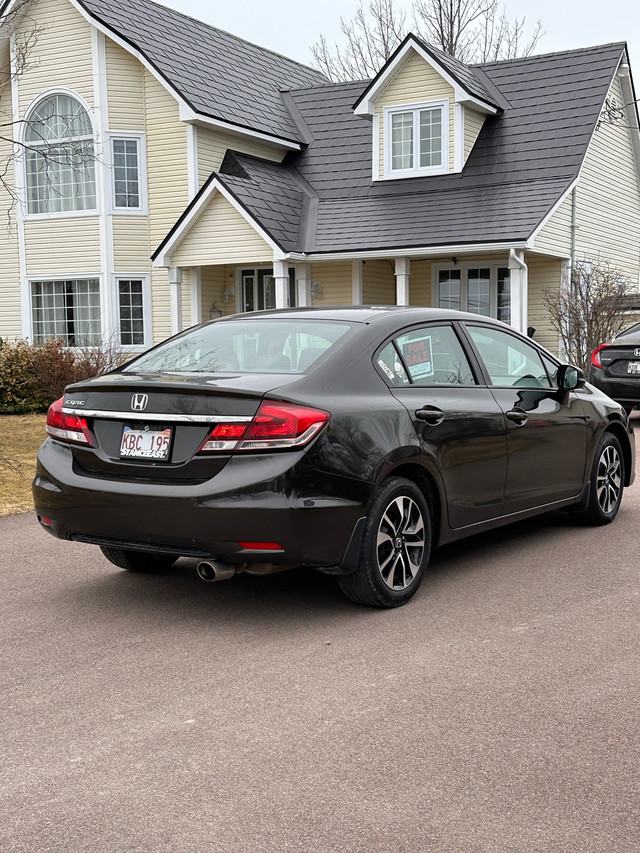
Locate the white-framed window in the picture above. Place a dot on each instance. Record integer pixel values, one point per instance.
(66, 309)
(476, 286)
(416, 139)
(132, 293)
(59, 156)
(127, 168)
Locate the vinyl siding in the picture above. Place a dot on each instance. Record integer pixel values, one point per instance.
(62, 55)
(555, 237)
(221, 235)
(125, 89)
(378, 283)
(413, 83)
(212, 146)
(131, 249)
(167, 182)
(63, 246)
(420, 283)
(336, 283)
(545, 274)
(608, 198)
(473, 122)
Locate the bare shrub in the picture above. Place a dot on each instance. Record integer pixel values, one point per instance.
(588, 309)
(32, 377)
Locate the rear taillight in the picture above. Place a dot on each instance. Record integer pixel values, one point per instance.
(595, 355)
(276, 426)
(69, 428)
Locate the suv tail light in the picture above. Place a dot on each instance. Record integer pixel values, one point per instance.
(68, 428)
(275, 426)
(595, 355)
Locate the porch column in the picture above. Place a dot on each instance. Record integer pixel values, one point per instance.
(196, 295)
(303, 285)
(281, 278)
(403, 274)
(175, 298)
(357, 270)
(518, 290)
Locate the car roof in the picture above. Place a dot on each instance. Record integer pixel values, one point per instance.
(361, 314)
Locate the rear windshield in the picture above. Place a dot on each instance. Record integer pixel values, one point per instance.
(247, 346)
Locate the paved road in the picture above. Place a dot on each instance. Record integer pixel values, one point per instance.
(496, 713)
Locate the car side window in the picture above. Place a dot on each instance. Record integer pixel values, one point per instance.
(433, 355)
(389, 363)
(509, 360)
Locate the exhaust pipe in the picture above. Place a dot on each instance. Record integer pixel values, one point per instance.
(214, 570)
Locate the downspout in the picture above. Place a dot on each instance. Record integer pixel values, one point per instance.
(574, 229)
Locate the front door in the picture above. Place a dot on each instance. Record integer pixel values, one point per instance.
(459, 422)
(546, 427)
(259, 289)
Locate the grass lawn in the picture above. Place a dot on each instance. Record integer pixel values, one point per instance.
(20, 438)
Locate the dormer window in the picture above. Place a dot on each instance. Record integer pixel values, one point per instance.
(416, 139)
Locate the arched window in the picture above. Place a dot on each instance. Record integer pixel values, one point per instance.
(60, 156)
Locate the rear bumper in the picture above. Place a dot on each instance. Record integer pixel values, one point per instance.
(626, 392)
(264, 499)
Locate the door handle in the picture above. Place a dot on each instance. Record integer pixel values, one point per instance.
(432, 415)
(518, 416)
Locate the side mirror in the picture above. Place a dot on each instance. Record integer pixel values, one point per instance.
(570, 377)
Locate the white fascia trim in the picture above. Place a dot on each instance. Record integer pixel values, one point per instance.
(108, 302)
(185, 109)
(367, 107)
(164, 259)
(417, 252)
(531, 241)
(190, 116)
(20, 204)
(630, 109)
(192, 161)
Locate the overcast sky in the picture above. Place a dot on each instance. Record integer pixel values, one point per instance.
(290, 27)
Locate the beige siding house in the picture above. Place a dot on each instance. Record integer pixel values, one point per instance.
(180, 192)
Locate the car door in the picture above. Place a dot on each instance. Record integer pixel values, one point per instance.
(546, 427)
(460, 425)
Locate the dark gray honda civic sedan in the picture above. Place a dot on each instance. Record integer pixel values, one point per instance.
(352, 440)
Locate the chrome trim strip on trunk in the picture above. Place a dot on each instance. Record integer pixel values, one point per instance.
(157, 416)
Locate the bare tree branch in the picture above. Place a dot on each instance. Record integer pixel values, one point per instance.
(471, 30)
(588, 310)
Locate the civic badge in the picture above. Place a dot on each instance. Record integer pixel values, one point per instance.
(139, 402)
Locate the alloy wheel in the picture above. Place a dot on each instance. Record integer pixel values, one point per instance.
(400, 543)
(609, 479)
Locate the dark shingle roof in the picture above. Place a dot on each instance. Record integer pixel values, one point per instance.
(218, 74)
(273, 195)
(522, 162)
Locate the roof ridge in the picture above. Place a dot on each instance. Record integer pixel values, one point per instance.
(573, 50)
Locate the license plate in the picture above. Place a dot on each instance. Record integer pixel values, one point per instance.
(633, 367)
(145, 443)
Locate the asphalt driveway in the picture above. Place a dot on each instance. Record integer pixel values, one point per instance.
(497, 712)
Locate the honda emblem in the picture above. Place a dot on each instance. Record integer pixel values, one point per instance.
(637, 351)
(139, 402)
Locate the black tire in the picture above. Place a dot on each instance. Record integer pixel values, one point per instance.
(138, 561)
(606, 483)
(395, 547)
